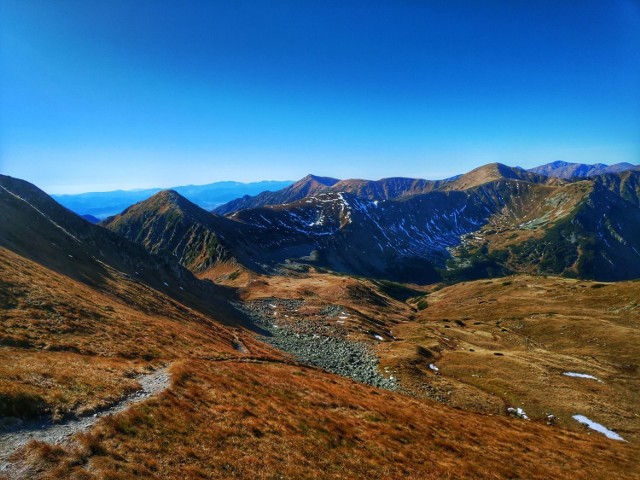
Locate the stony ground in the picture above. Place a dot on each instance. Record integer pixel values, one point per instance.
(317, 343)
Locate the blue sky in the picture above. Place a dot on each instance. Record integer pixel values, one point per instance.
(129, 94)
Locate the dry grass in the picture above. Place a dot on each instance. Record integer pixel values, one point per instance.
(269, 420)
(58, 383)
(542, 328)
(234, 415)
(65, 346)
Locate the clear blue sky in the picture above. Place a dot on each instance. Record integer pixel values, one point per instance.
(98, 95)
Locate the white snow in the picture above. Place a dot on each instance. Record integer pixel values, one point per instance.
(582, 375)
(433, 367)
(518, 412)
(377, 337)
(342, 317)
(165, 284)
(598, 428)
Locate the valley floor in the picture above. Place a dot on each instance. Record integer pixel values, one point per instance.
(235, 407)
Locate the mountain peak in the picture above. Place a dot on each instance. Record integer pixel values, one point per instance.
(309, 185)
(326, 181)
(489, 173)
(169, 222)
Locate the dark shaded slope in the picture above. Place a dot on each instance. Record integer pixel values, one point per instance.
(401, 240)
(34, 226)
(626, 184)
(600, 240)
(386, 188)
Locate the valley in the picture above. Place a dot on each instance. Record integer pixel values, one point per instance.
(388, 329)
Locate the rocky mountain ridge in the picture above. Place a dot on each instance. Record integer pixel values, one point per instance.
(492, 221)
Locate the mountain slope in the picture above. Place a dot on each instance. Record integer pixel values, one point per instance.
(404, 239)
(169, 223)
(495, 220)
(83, 309)
(77, 329)
(625, 184)
(36, 227)
(581, 229)
(569, 170)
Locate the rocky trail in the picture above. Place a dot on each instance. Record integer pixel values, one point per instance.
(44, 430)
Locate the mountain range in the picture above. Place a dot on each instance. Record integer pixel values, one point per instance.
(494, 220)
(227, 197)
(104, 204)
(260, 377)
(562, 169)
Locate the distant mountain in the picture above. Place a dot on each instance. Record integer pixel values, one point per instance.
(568, 170)
(105, 204)
(384, 189)
(90, 218)
(309, 185)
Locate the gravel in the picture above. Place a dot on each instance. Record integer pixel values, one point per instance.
(316, 343)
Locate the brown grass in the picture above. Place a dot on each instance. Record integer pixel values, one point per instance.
(65, 346)
(542, 327)
(234, 415)
(231, 420)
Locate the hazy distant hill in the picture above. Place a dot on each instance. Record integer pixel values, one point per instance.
(105, 204)
(562, 169)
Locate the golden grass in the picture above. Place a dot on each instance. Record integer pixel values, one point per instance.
(58, 383)
(252, 415)
(269, 420)
(542, 327)
(65, 346)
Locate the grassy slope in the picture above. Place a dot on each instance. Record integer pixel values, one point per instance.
(269, 420)
(246, 415)
(539, 328)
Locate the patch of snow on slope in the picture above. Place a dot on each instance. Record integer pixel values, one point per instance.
(598, 428)
(581, 375)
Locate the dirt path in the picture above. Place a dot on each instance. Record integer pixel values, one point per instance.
(46, 431)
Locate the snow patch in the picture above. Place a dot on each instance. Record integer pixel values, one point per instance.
(517, 412)
(598, 428)
(433, 367)
(582, 375)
